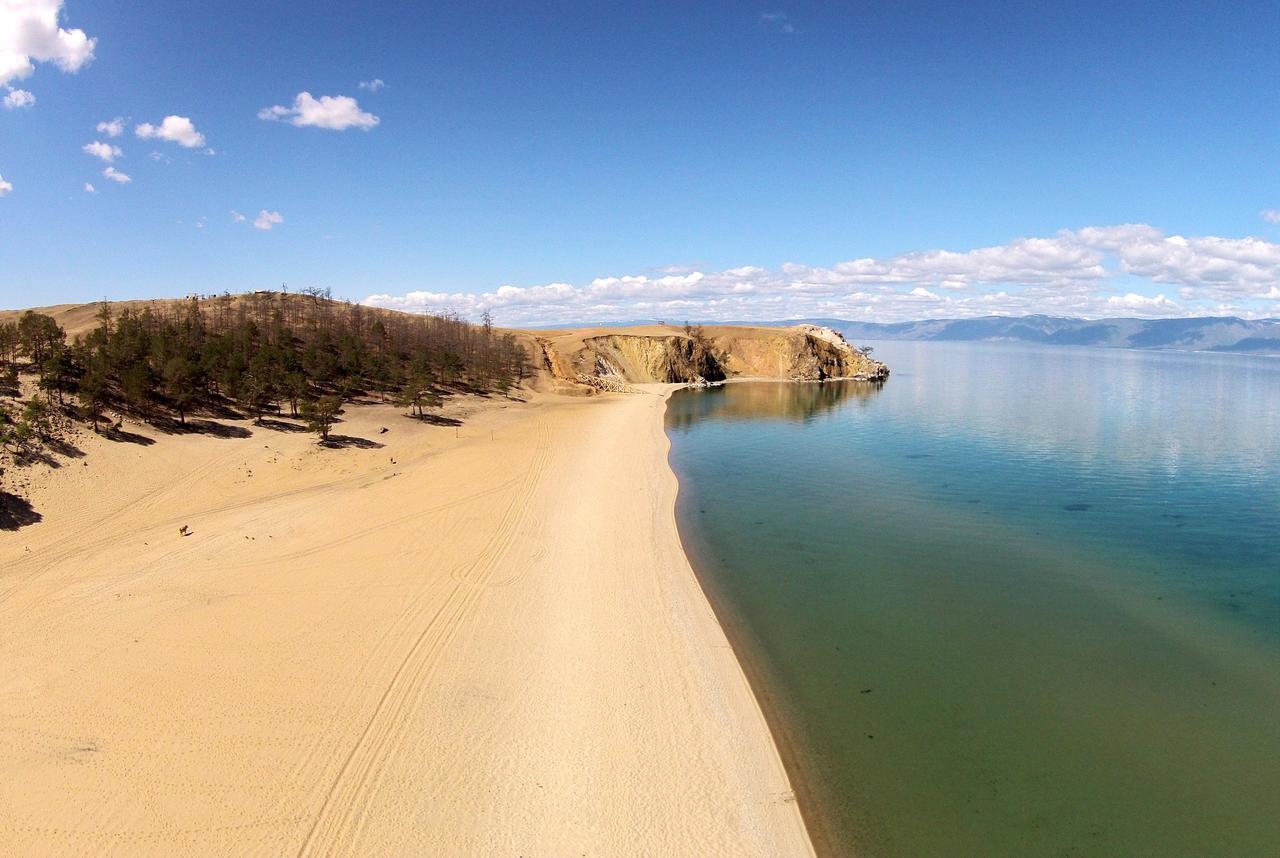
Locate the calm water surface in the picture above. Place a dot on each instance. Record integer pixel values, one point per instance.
(1017, 601)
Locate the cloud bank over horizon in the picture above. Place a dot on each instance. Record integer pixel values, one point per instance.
(1093, 272)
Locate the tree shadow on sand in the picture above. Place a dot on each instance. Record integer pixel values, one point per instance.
(65, 448)
(211, 428)
(16, 512)
(218, 430)
(437, 420)
(38, 456)
(124, 436)
(280, 425)
(338, 442)
(222, 410)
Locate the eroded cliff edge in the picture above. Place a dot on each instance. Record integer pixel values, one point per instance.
(615, 358)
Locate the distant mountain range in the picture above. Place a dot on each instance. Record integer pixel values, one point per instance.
(1210, 333)
(1217, 334)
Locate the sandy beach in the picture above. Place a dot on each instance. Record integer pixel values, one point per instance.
(474, 640)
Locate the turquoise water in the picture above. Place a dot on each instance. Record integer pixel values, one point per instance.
(1015, 601)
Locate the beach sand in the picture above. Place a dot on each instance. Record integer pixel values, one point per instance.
(482, 640)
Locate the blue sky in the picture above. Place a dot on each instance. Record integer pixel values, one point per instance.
(575, 162)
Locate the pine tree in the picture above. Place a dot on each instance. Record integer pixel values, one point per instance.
(180, 385)
(321, 413)
(137, 384)
(56, 377)
(296, 389)
(36, 421)
(38, 334)
(9, 344)
(93, 394)
(417, 392)
(254, 393)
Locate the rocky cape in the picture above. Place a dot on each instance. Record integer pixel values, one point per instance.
(616, 358)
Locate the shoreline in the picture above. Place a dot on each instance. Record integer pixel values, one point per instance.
(753, 673)
(482, 640)
(821, 837)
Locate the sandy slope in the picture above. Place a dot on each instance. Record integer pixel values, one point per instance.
(493, 646)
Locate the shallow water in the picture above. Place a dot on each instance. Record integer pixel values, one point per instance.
(1015, 601)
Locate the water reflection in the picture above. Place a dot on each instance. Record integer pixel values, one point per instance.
(1132, 408)
(767, 400)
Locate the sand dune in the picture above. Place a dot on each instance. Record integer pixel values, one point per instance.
(492, 646)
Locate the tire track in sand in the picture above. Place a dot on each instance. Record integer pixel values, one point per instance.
(355, 783)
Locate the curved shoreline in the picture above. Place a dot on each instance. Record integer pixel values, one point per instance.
(821, 838)
(747, 668)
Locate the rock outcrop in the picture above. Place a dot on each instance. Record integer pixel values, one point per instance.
(615, 359)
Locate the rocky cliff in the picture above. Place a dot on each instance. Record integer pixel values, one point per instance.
(614, 359)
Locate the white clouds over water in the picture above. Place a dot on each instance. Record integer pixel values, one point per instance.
(1092, 272)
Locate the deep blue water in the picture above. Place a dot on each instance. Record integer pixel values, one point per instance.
(1015, 601)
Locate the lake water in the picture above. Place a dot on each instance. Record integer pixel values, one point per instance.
(1016, 601)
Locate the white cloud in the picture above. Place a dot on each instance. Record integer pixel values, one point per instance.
(372, 85)
(1270, 215)
(17, 98)
(1226, 265)
(265, 220)
(175, 129)
(89, 188)
(112, 127)
(5, 187)
(335, 112)
(236, 217)
(1091, 272)
(29, 33)
(105, 151)
(778, 21)
(1134, 301)
(116, 176)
